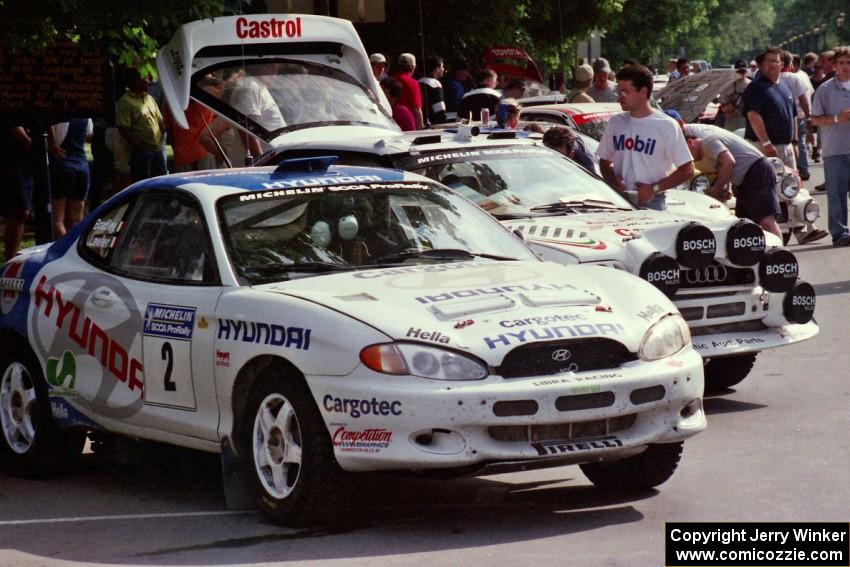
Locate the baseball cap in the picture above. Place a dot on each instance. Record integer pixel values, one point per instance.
(741, 65)
(583, 73)
(673, 114)
(408, 59)
(600, 65)
(377, 58)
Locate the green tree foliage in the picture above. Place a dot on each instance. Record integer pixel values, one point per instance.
(130, 30)
(734, 29)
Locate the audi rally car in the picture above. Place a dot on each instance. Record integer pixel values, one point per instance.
(317, 319)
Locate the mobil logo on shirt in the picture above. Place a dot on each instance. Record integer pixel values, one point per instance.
(634, 144)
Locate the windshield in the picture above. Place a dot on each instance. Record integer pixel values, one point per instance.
(593, 124)
(511, 181)
(348, 227)
(279, 95)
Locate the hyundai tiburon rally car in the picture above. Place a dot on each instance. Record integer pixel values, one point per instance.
(307, 320)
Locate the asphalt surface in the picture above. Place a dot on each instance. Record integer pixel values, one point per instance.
(775, 450)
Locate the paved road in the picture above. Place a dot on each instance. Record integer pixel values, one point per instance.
(775, 450)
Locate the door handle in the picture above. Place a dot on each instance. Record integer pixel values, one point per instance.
(103, 298)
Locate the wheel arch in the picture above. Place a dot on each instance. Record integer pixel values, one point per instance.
(260, 367)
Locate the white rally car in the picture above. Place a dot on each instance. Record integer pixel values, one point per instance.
(313, 319)
(737, 288)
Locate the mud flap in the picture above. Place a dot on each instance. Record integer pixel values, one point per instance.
(238, 491)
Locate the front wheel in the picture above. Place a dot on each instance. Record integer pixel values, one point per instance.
(638, 473)
(289, 454)
(31, 444)
(724, 372)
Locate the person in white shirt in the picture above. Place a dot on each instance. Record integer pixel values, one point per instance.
(801, 89)
(643, 151)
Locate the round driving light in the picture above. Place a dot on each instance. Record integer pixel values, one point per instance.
(695, 245)
(425, 363)
(700, 184)
(778, 270)
(790, 186)
(799, 305)
(662, 272)
(745, 243)
(811, 212)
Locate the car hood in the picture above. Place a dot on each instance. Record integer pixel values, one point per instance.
(608, 235)
(489, 308)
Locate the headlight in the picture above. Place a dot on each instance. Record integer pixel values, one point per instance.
(811, 212)
(700, 184)
(425, 362)
(777, 165)
(665, 338)
(790, 186)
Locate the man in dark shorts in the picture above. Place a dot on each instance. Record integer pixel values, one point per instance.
(735, 160)
(17, 181)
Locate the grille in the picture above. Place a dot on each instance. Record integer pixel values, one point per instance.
(740, 327)
(716, 275)
(562, 431)
(578, 355)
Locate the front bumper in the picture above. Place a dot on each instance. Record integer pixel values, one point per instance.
(712, 345)
(415, 424)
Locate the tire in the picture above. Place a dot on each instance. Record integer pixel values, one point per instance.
(724, 372)
(638, 473)
(31, 444)
(288, 453)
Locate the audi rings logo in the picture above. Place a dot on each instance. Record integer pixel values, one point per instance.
(561, 355)
(709, 275)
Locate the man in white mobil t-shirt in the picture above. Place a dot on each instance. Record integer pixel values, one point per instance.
(643, 151)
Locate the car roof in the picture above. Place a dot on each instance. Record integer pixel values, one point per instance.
(579, 108)
(289, 174)
(396, 143)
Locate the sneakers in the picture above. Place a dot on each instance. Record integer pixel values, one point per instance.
(812, 235)
(843, 240)
(821, 187)
(816, 156)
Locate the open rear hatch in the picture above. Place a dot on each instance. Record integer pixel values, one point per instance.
(271, 74)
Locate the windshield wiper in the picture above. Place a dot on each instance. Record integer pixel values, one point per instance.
(314, 267)
(576, 205)
(438, 254)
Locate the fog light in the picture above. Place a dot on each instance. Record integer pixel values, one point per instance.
(778, 271)
(663, 272)
(695, 245)
(799, 304)
(811, 212)
(745, 243)
(790, 186)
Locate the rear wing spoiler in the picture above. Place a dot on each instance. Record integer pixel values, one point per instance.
(230, 35)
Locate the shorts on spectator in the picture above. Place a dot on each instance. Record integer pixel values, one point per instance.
(69, 181)
(15, 194)
(756, 195)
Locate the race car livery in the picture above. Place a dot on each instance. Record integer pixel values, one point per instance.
(721, 272)
(310, 319)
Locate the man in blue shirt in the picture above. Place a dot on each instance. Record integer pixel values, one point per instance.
(770, 110)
